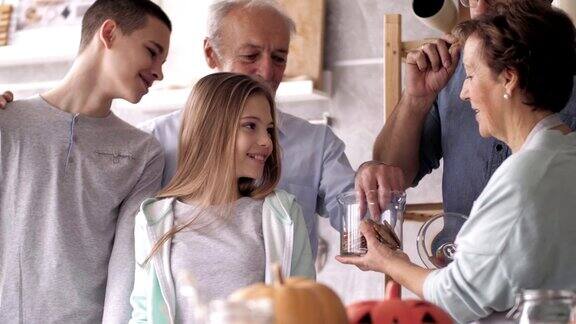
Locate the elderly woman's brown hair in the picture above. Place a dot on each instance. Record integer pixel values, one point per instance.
(533, 39)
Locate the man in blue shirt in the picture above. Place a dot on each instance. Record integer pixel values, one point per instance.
(431, 123)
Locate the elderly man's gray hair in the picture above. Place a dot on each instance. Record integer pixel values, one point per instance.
(221, 8)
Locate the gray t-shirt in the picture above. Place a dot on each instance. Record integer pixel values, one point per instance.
(70, 188)
(221, 257)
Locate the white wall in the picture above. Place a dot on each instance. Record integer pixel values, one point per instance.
(185, 63)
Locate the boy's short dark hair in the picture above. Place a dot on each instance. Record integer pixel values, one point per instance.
(130, 15)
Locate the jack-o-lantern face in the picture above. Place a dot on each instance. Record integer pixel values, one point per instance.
(393, 310)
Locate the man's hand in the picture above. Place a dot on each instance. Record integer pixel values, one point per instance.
(374, 183)
(5, 99)
(429, 68)
(378, 258)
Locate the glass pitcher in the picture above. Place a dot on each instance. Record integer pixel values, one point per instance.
(436, 239)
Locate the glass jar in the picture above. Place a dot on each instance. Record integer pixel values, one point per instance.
(352, 242)
(258, 311)
(544, 306)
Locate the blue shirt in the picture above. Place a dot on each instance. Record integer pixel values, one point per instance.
(451, 133)
(315, 168)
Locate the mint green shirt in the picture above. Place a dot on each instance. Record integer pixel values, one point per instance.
(153, 298)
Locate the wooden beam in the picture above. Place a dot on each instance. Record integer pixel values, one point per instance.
(422, 212)
(392, 52)
(392, 70)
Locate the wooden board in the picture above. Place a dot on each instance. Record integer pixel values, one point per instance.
(5, 14)
(306, 57)
(392, 68)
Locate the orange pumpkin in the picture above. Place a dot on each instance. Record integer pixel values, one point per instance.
(297, 300)
(397, 311)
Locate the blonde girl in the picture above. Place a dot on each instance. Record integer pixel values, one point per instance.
(220, 218)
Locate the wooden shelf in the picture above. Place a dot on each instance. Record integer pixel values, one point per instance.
(422, 212)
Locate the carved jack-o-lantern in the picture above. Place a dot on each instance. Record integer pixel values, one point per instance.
(393, 310)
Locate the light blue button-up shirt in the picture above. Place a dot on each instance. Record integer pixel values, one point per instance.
(520, 235)
(314, 166)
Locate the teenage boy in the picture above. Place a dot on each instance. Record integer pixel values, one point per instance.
(73, 175)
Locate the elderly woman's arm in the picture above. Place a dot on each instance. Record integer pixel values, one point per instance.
(470, 288)
(480, 280)
(466, 289)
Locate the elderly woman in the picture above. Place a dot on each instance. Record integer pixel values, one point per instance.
(521, 233)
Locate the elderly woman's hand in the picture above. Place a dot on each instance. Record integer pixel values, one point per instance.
(378, 258)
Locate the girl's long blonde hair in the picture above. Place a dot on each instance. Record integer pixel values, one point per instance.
(206, 171)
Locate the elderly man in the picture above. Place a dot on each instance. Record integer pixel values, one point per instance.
(431, 123)
(252, 37)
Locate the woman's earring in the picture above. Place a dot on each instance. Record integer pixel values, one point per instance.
(506, 96)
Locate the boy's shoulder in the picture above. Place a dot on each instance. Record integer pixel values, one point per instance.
(22, 105)
(22, 114)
